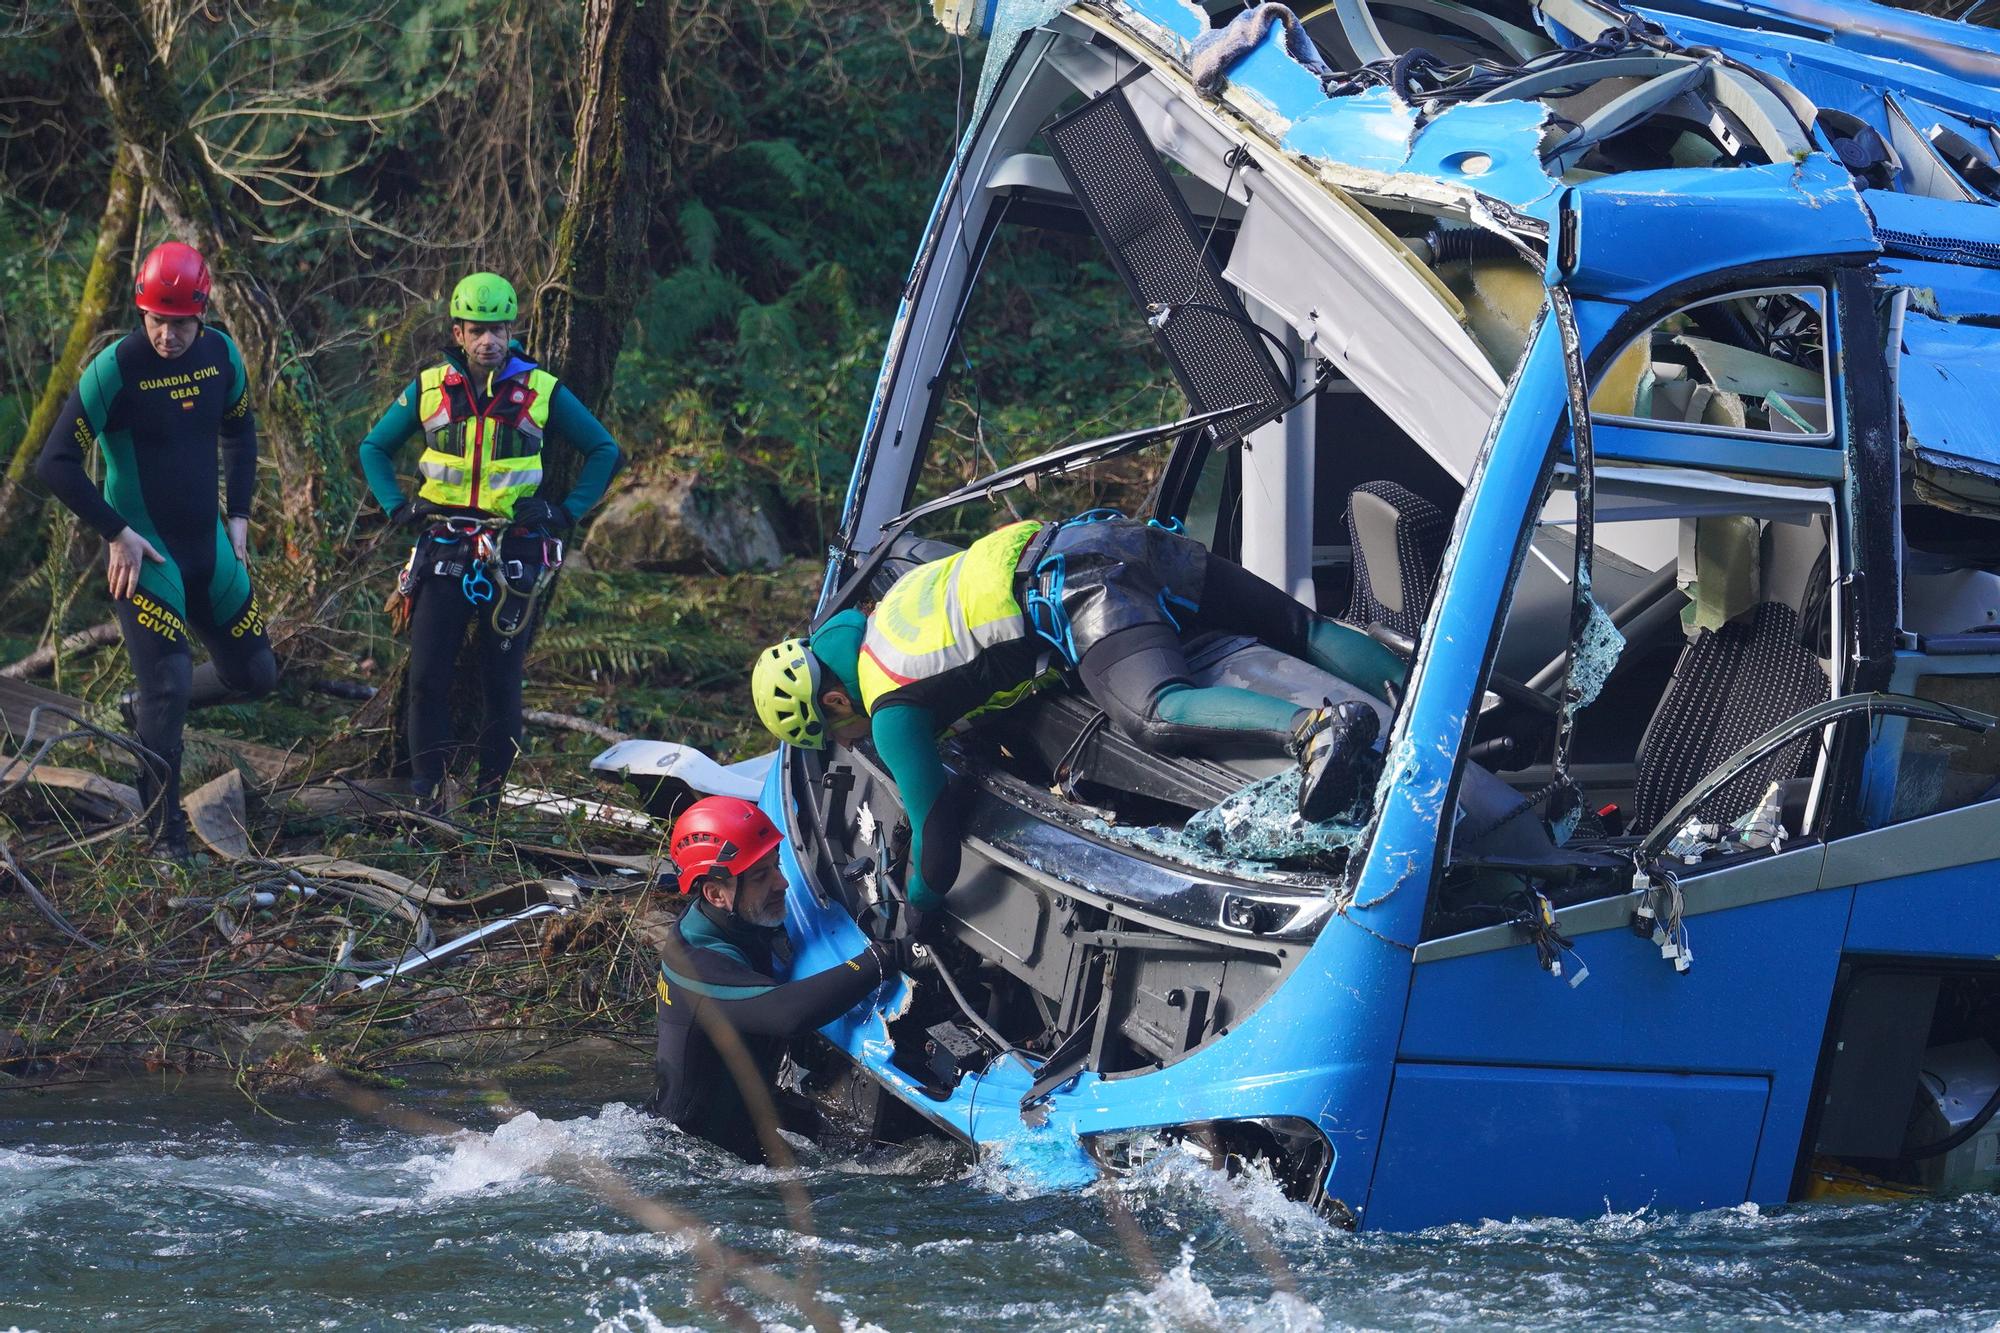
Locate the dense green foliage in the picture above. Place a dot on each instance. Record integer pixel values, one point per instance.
(381, 149)
(384, 150)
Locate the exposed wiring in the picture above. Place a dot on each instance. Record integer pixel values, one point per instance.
(986, 1029)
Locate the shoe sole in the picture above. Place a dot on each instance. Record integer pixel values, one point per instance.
(1327, 789)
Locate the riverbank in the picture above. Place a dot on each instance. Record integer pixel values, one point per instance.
(256, 960)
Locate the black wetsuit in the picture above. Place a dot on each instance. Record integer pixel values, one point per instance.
(438, 622)
(720, 973)
(158, 424)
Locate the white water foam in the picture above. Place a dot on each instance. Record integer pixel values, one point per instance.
(13, 1161)
(1180, 1300)
(635, 1315)
(524, 1148)
(602, 1246)
(1178, 1172)
(1030, 1165)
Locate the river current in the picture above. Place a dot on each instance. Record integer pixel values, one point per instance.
(144, 1204)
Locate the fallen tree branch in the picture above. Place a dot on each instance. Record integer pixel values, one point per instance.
(42, 660)
(569, 722)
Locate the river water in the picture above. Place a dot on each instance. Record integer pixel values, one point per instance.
(151, 1205)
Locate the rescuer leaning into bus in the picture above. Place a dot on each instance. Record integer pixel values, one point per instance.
(1110, 596)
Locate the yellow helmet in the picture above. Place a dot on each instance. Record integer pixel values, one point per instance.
(785, 686)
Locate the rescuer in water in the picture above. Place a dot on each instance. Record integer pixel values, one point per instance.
(729, 1005)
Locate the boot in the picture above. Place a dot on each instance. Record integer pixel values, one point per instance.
(166, 823)
(483, 806)
(171, 842)
(1332, 745)
(426, 799)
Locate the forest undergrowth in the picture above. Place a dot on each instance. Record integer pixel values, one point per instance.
(257, 963)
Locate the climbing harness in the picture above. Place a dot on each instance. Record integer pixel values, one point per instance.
(1169, 599)
(514, 609)
(1042, 597)
(470, 550)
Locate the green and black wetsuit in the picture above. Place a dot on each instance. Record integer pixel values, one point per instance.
(442, 613)
(172, 434)
(722, 972)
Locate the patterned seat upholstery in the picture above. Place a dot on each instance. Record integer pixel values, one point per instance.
(1730, 686)
(1397, 538)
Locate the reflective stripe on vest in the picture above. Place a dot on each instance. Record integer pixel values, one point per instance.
(942, 615)
(488, 461)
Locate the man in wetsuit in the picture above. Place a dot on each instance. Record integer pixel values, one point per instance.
(728, 1003)
(1109, 596)
(156, 404)
(487, 543)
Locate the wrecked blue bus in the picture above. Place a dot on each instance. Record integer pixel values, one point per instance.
(1621, 368)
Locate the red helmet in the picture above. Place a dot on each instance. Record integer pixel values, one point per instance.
(720, 830)
(173, 281)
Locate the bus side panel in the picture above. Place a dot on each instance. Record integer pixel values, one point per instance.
(1467, 1142)
(1754, 1004)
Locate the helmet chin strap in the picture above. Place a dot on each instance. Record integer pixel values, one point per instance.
(730, 912)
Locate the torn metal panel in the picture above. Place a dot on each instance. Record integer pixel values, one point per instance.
(1954, 439)
(1359, 305)
(1959, 51)
(1493, 149)
(1273, 75)
(1916, 227)
(1944, 291)
(1644, 232)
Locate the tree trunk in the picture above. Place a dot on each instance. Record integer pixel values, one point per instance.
(584, 305)
(101, 289)
(316, 485)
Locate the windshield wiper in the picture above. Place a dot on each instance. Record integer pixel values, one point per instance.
(1056, 462)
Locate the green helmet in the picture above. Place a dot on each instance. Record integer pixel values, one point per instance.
(785, 686)
(484, 298)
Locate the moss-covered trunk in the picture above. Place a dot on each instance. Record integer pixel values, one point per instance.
(582, 308)
(316, 487)
(102, 287)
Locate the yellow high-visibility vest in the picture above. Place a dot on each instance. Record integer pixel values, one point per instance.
(942, 615)
(487, 460)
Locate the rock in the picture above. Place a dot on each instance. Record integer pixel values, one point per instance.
(673, 524)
